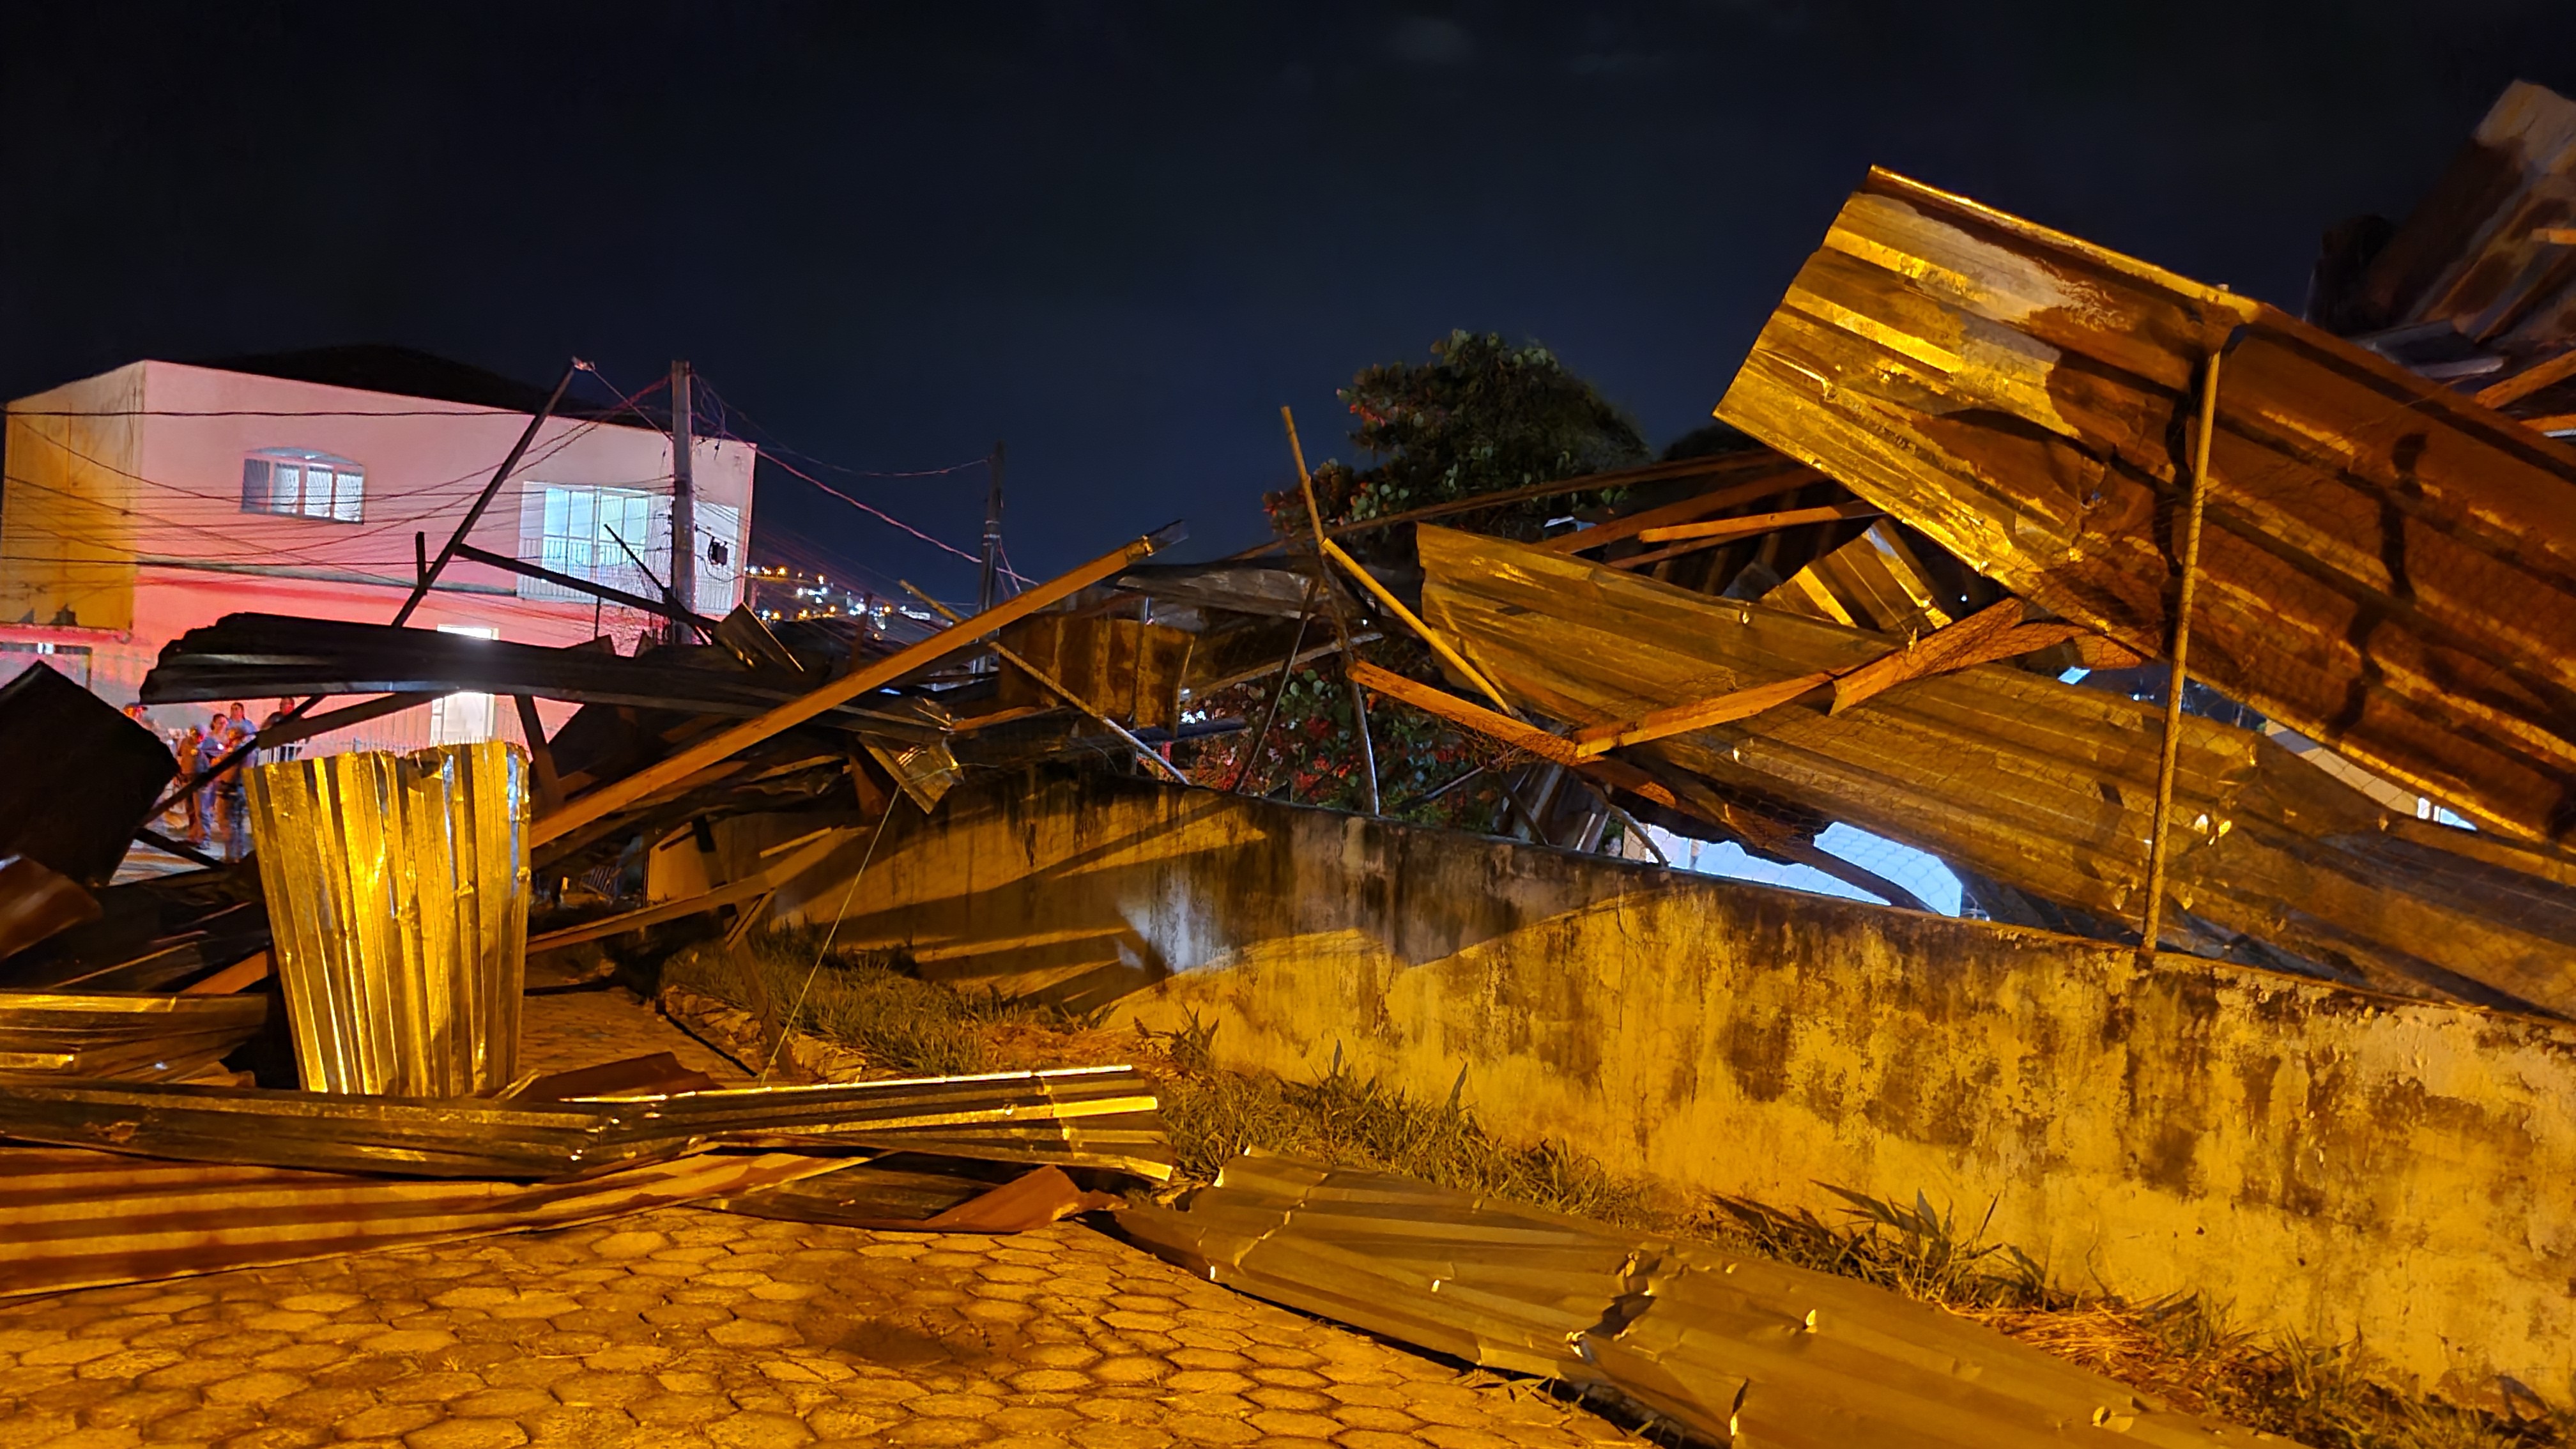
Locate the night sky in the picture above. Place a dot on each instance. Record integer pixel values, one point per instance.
(1119, 236)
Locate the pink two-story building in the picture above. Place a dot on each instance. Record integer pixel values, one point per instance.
(158, 497)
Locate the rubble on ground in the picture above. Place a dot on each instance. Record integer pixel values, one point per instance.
(1933, 595)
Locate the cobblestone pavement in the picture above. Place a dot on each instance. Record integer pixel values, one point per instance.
(688, 1327)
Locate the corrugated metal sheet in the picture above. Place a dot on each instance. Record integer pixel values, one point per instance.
(57, 1036)
(1124, 669)
(2387, 567)
(1735, 1348)
(397, 889)
(2045, 786)
(1873, 582)
(1081, 1116)
(2478, 253)
(87, 1219)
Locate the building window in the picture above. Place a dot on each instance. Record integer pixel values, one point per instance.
(303, 484)
(69, 660)
(588, 533)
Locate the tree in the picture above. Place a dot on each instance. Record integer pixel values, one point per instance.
(1482, 416)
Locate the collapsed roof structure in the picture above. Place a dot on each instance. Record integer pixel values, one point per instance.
(1992, 478)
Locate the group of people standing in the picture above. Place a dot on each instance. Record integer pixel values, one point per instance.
(217, 812)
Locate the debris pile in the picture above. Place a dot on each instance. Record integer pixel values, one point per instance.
(1733, 1348)
(2145, 607)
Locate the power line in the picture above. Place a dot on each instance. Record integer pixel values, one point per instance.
(776, 447)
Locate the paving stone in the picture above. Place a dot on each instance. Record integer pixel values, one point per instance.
(692, 1329)
(468, 1433)
(280, 1436)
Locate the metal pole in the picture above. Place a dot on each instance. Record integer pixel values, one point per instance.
(483, 500)
(1270, 711)
(988, 587)
(419, 589)
(684, 500)
(2180, 672)
(1333, 600)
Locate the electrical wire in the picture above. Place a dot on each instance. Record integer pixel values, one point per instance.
(776, 446)
(875, 512)
(788, 1022)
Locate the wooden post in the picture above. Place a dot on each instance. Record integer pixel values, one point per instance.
(2180, 673)
(1395, 606)
(1333, 601)
(988, 587)
(684, 500)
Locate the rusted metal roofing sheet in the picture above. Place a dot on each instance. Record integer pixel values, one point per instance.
(1736, 1349)
(2045, 786)
(2388, 567)
(2487, 250)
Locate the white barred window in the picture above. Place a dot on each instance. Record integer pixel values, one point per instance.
(304, 484)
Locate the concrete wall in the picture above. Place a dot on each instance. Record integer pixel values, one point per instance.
(2325, 1161)
(68, 523)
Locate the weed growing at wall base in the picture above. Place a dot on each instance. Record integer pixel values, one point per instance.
(2181, 1348)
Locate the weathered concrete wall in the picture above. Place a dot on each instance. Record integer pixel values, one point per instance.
(2328, 1162)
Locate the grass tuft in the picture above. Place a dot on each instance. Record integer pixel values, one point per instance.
(865, 999)
(1352, 1121)
(2181, 1348)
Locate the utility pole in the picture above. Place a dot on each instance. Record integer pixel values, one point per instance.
(684, 502)
(987, 592)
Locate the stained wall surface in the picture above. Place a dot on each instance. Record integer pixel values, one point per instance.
(2325, 1161)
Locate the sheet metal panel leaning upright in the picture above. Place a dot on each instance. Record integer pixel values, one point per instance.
(2388, 567)
(398, 893)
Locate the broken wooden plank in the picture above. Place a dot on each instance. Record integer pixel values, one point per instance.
(1677, 719)
(239, 976)
(679, 766)
(1438, 645)
(1990, 634)
(1717, 530)
(1502, 727)
(1994, 632)
(1782, 475)
(808, 853)
(2528, 381)
(1771, 524)
(1715, 465)
(1056, 687)
(2045, 786)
